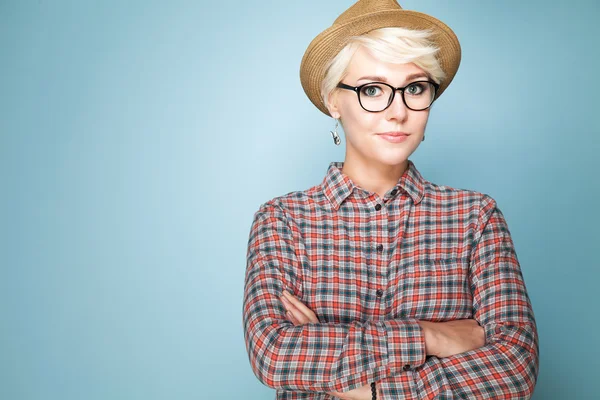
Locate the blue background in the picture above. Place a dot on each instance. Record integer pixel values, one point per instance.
(138, 138)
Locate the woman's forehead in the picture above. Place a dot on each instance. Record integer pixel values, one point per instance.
(364, 65)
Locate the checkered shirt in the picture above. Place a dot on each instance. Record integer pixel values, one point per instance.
(370, 267)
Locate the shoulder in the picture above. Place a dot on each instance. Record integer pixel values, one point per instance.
(293, 204)
(444, 196)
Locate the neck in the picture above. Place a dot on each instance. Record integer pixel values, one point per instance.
(374, 177)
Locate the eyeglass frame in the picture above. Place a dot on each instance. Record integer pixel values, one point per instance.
(391, 100)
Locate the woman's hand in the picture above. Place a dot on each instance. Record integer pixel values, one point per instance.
(446, 339)
(362, 393)
(299, 314)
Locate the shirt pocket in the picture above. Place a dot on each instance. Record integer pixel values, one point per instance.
(437, 290)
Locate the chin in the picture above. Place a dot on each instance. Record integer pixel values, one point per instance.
(394, 157)
(390, 161)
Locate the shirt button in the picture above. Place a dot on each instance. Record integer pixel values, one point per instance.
(379, 247)
(406, 367)
(379, 292)
(393, 193)
(378, 207)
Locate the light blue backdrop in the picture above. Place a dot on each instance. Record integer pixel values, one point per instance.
(137, 138)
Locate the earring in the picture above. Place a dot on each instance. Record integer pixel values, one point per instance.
(422, 140)
(336, 137)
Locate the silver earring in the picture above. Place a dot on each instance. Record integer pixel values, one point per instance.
(336, 137)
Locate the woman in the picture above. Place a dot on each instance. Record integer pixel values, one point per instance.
(377, 283)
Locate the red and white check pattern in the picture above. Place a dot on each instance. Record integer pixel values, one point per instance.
(370, 267)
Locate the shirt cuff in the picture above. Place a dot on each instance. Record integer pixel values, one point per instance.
(431, 380)
(405, 345)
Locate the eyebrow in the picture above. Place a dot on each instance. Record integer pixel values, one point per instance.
(384, 79)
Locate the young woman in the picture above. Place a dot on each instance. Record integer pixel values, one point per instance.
(377, 283)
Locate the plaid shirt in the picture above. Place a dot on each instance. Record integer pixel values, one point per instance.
(370, 268)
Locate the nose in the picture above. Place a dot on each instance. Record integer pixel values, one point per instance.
(397, 110)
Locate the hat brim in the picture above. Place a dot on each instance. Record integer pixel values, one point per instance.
(332, 40)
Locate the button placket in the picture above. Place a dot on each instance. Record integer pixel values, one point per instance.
(380, 262)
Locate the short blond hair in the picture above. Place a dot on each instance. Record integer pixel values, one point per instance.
(394, 45)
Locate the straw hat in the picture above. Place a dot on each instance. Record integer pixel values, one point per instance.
(365, 16)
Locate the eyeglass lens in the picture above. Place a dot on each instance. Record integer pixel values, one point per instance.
(377, 96)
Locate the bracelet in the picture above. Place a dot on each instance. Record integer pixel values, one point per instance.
(373, 391)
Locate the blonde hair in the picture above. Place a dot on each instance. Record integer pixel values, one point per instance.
(393, 45)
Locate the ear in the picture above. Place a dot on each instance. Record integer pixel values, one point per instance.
(332, 104)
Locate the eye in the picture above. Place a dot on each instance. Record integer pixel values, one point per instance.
(371, 90)
(415, 89)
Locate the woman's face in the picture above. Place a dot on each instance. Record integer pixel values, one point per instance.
(364, 140)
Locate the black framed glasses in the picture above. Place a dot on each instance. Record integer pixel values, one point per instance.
(377, 96)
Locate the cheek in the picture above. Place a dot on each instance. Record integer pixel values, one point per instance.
(353, 115)
(361, 123)
(359, 129)
(424, 118)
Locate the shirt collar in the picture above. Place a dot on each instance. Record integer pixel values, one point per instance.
(338, 186)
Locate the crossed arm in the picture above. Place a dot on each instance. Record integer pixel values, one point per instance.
(450, 338)
(504, 367)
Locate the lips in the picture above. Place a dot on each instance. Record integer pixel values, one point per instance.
(394, 134)
(393, 137)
